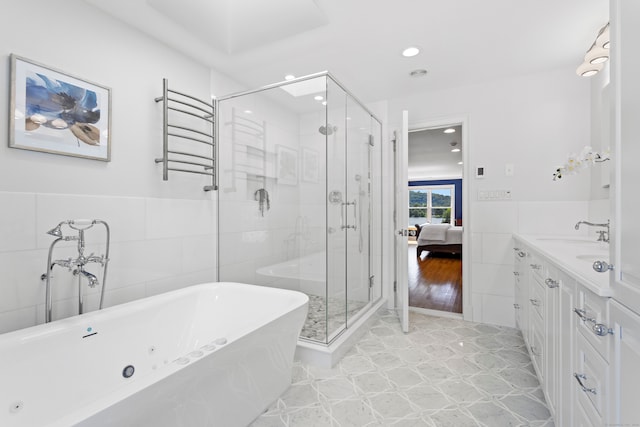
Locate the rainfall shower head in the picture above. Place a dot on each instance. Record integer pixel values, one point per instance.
(327, 130)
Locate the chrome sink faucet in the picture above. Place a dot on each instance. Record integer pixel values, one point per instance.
(603, 235)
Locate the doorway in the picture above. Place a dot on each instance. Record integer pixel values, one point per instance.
(435, 177)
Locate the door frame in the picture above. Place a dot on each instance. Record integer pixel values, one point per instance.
(441, 122)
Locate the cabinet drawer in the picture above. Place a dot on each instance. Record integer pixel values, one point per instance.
(536, 266)
(594, 310)
(537, 347)
(591, 378)
(585, 418)
(536, 299)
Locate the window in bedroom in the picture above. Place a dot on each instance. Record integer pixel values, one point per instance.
(432, 204)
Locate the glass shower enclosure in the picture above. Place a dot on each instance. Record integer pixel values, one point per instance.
(299, 200)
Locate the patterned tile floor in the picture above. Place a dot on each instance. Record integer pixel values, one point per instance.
(445, 372)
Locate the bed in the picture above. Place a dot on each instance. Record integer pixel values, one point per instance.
(443, 238)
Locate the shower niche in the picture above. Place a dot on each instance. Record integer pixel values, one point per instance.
(299, 182)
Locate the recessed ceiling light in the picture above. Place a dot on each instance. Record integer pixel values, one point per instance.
(318, 98)
(248, 112)
(289, 77)
(410, 51)
(418, 73)
(449, 130)
(324, 102)
(459, 163)
(455, 150)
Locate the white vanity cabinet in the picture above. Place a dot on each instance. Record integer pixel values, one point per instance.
(568, 338)
(521, 294)
(593, 341)
(625, 366)
(564, 414)
(543, 333)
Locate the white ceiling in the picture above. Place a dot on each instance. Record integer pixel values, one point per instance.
(430, 155)
(463, 42)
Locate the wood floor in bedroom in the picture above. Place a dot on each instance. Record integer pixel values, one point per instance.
(435, 281)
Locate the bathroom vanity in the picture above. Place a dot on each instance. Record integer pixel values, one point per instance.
(573, 328)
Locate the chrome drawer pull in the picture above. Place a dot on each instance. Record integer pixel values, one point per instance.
(598, 328)
(579, 378)
(522, 254)
(602, 266)
(601, 330)
(552, 283)
(535, 302)
(583, 315)
(535, 266)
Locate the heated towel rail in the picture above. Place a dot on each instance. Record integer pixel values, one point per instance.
(188, 141)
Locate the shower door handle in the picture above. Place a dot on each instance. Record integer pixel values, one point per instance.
(343, 224)
(355, 216)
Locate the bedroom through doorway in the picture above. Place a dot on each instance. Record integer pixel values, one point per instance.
(435, 174)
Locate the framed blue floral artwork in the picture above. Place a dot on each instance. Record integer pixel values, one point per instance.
(55, 112)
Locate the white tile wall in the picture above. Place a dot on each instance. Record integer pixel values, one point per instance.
(497, 248)
(492, 279)
(494, 217)
(157, 245)
(17, 319)
(599, 210)
(18, 216)
(168, 218)
(498, 310)
(125, 215)
(476, 246)
(551, 217)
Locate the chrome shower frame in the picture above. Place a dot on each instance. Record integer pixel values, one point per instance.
(76, 265)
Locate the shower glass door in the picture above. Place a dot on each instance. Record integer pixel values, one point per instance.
(357, 189)
(339, 210)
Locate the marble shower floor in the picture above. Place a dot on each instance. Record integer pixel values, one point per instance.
(445, 372)
(315, 325)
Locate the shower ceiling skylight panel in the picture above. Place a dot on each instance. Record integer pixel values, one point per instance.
(306, 87)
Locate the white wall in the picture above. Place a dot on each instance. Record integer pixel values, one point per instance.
(163, 232)
(532, 122)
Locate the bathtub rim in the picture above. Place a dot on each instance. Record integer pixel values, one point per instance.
(60, 325)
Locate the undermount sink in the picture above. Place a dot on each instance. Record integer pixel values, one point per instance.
(591, 258)
(568, 240)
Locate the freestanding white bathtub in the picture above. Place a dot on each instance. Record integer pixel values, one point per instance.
(216, 354)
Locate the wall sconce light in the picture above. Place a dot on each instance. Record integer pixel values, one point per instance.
(597, 54)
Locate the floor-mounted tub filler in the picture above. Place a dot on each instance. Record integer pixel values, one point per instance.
(216, 354)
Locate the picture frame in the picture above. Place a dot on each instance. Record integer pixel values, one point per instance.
(54, 112)
(310, 165)
(286, 165)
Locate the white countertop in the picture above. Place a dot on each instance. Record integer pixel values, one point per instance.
(564, 252)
